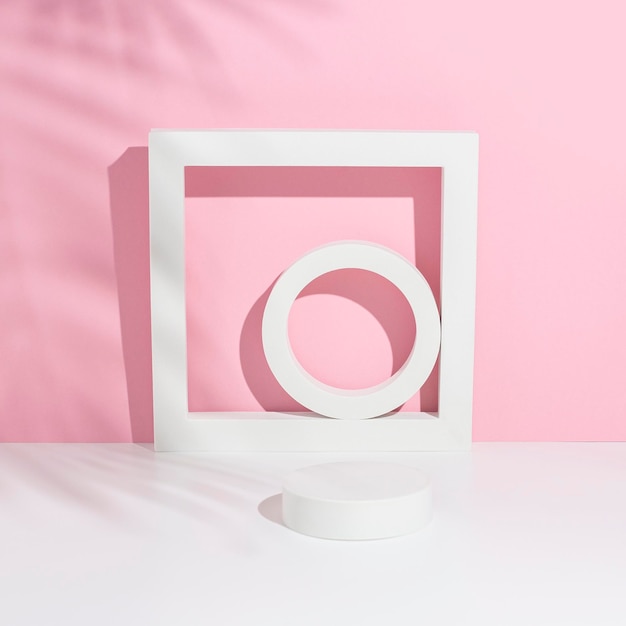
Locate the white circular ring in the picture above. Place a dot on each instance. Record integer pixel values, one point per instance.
(351, 403)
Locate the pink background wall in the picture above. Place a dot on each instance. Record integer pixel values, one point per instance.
(83, 81)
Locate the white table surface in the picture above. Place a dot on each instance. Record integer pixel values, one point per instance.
(115, 534)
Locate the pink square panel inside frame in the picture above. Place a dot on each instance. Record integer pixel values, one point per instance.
(350, 329)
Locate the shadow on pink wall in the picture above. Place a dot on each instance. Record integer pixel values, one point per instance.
(128, 181)
(128, 190)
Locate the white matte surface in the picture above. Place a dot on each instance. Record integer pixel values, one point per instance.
(351, 403)
(357, 500)
(95, 535)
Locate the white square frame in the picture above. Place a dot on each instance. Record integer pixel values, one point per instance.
(175, 428)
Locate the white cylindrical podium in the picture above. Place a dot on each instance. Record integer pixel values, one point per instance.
(356, 500)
